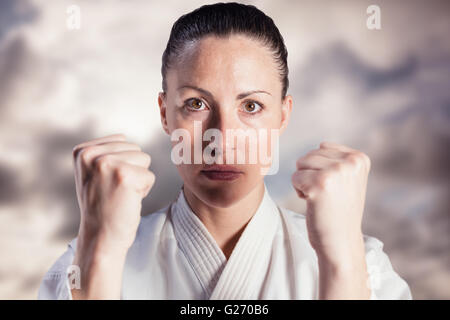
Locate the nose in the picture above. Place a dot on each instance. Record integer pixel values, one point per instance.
(224, 120)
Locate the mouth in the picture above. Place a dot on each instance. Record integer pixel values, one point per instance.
(222, 172)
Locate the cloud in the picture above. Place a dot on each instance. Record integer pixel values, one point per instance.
(385, 93)
(9, 188)
(14, 13)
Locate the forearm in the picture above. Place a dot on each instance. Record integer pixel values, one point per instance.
(345, 278)
(101, 267)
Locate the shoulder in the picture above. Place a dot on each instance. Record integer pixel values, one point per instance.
(383, 279)
(53, 284)
(64, 260)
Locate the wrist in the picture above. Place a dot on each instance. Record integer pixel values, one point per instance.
(344, 257)
(102, 242)
(342, 269)
(97, 252)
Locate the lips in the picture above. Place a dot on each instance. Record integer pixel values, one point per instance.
(222, 172)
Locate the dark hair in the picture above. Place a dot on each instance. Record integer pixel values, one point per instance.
(223, 19)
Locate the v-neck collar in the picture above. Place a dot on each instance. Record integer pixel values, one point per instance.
(238, 277)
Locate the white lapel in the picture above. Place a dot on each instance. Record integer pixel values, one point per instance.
(243, 274)
(198, 245)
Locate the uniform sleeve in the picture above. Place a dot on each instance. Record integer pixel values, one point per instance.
(384, 282)
(55, 284)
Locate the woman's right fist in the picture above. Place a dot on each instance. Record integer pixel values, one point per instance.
(111, 179)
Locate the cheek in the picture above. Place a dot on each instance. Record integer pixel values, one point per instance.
(185, 170)
(261, 146)
(268, 118)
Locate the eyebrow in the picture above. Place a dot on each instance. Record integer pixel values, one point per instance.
(239, 96)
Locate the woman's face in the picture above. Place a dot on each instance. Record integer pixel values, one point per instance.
(211, 85)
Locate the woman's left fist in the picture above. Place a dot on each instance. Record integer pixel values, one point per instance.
(333, 179)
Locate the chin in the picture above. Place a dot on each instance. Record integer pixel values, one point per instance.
(221, 194)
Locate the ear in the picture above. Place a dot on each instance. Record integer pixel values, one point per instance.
(286, 109)
(162, 111)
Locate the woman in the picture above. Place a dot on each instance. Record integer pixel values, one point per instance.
(225, 67)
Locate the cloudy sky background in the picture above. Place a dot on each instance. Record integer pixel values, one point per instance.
(385, 92)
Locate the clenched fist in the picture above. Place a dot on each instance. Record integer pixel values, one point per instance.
(111, 178)
(332, 179)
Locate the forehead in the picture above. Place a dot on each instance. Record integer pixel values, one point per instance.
(236, 62)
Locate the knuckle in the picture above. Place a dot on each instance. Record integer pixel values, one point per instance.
(121, 174)
(148, 182)
(337, 166)
(353, 158)
(359, 160)
(305, 187)
(299, 163)
(103, 163)
(323, 145)
(306, 158)
(85, 154)
(148, 158)
(313, 152)
(323, 181)
(151, 177)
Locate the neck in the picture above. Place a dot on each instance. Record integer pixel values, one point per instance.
(226, 224)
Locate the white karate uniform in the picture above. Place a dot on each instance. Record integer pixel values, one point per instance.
(175, 257)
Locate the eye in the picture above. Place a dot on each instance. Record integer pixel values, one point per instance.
(195, 104)
(252, 107)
